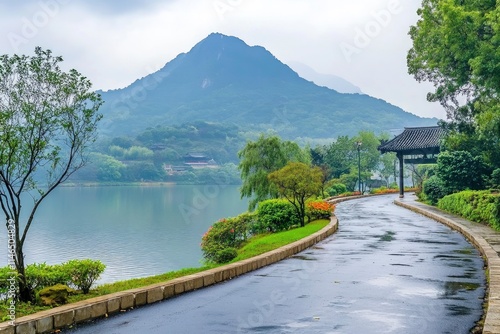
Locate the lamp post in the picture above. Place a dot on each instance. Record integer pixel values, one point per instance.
(358, 144)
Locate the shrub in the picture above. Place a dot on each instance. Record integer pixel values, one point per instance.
(478, 206)
(83, 273)
(42, 275)
(319, 210)
(224, 234)
(225, 255)
(275, 215)
(336, 189)
(459, 170)
(434, 189)
(495, 179)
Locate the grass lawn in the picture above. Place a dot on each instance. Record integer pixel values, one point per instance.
(256, 245)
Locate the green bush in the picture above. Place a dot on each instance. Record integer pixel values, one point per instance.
(226, 233)
(275, 215)
(459, 170)
(78, 273)
(478, 206)
(495, 179)
(83, 273)
(225, 255)
(42, 275)
(336, 189)
(434, 189)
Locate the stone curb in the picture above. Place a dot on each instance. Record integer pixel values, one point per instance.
(492, 319)
(99, 307)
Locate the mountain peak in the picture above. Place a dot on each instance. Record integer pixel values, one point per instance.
(222, 79)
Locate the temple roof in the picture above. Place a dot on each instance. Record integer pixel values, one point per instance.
(414, 139)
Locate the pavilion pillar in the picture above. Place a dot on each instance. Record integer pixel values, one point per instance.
(401, 175)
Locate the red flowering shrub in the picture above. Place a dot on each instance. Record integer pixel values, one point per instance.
(224, 236)
(319, 210)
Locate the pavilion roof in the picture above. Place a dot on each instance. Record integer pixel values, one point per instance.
(414, 139)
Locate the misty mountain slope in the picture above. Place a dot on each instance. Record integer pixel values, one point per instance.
(222, 79)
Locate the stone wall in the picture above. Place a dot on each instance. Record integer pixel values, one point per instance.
(67, 315)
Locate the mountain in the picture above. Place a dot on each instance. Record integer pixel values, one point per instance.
(326, 80)
(222, 79)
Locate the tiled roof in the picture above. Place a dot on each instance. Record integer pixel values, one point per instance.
(414, 139)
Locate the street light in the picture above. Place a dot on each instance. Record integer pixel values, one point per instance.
(358, 144)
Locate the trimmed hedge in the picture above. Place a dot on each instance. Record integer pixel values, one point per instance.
(477, 206)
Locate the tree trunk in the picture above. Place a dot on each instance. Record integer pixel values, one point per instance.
(25, 293)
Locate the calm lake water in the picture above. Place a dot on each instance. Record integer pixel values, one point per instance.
(135, 231)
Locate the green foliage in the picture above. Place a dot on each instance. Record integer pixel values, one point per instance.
(260, 158)
(48, 118)
(275, 215)
(225, 234)
(83, 273)
(225, 255)
(79, 273)
(495, 179)
(336, 189)
(459, 170)
(434, 189)
(478, 206)
(455, 47)
(297, 182)
(42, 275)
(105, 167)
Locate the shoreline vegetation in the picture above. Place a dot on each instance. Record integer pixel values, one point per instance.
(256, 245)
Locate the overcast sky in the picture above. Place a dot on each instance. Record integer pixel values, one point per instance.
(114, 43)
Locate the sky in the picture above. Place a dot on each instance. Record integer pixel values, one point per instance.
(113, 43)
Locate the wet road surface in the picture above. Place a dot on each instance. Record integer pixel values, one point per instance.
(387, 270)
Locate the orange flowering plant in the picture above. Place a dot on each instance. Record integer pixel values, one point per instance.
(319, 209)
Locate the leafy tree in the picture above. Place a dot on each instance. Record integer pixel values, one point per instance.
(48, 118)
(296, 182)
(459, 170)
(340, 156)
(387, 167)
(455, 47)
(105, 167)
(260, 158)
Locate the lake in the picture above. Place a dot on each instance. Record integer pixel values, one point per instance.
(136, 231)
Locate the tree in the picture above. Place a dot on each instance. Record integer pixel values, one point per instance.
(258, 159)
(47, 120)
(296, 182)
(340, 156)
(455, 47)
(459, 170)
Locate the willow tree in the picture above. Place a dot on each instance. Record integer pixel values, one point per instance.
(260, 158)
(48, 117)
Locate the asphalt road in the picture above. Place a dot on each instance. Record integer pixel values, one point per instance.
(387, 270)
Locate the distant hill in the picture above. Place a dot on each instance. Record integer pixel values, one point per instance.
(222, 79)
(325, 80)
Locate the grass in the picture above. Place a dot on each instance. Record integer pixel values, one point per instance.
(256, 245)
(266, 242)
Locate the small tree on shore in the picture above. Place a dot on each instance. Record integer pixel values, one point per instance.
(296, 182)
(47, 119)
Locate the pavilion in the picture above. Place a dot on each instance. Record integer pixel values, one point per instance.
(416, 145)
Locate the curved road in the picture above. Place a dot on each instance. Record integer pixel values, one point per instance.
(387, 270)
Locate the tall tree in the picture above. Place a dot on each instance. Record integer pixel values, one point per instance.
(297, 182)
(455, 47)
(264, 156)
(48, 118)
